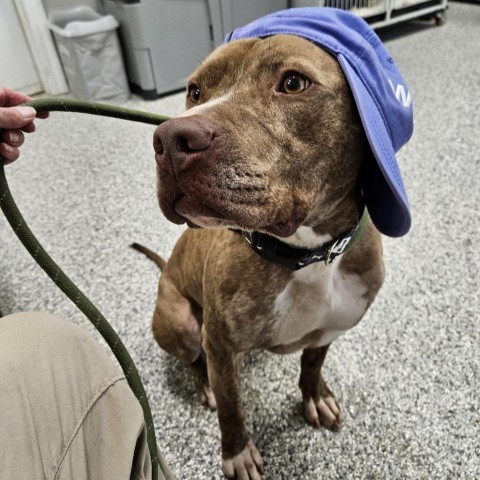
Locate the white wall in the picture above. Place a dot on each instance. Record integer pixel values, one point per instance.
(18, 70)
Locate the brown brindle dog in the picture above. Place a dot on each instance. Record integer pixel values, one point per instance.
(271, 142)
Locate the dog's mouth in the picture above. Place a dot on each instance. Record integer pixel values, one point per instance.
(283, 229)
(197, 214)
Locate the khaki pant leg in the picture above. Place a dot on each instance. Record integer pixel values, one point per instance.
(66, 410)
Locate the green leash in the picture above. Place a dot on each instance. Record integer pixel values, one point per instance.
(28, 239)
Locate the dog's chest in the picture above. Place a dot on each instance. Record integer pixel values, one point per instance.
(317, 305)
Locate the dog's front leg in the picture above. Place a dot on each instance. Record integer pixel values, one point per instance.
(320, 406)
(240, 458)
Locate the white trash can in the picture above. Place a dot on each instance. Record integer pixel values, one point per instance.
(90, 53)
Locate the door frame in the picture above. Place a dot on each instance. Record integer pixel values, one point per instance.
(35, 25)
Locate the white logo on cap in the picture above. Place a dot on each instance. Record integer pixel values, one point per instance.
(402, 94)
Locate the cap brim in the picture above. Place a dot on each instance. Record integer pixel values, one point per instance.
(382, 184)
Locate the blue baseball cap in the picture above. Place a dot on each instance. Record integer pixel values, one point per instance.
(379, 90)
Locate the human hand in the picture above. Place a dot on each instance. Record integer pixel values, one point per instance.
(14, 120)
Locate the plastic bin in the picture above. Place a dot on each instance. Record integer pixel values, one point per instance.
(90, 53)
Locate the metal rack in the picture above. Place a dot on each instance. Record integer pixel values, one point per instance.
(380, 13)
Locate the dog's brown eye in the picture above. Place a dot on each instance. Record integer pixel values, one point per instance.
(294, 83)
(194, 93)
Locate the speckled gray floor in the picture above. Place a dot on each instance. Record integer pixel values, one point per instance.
(408, 377)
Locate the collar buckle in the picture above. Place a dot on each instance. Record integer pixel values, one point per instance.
(337, 248)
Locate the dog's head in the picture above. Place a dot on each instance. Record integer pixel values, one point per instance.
(271, 140)
(279, 124)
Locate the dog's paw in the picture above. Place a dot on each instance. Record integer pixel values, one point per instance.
(206, 396)
(323, 412)
(247, 465)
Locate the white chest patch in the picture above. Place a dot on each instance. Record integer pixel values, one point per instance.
(320, 299)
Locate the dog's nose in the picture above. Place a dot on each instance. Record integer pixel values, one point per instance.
(184, 140)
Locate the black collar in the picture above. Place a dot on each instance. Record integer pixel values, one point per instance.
(296, 258)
